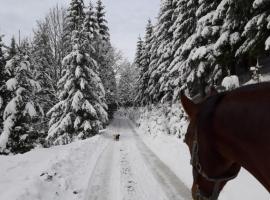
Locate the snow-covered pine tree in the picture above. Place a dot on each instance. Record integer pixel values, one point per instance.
(230, 18)
(81, 111)
(18, 135)
(153, 75)
(138, 55)
(199, 47)
(137, 65)
(73, 21)
(161, 53)
(184, 24)
(103, 29)
(43, 59)
(144, 60)
(256, 32)
(165, 53)
(104, 56)
(12, 49)
(3, 79)
(106, 60)
(90, 27)
(2, 58)
(127, 85)
(42, 55)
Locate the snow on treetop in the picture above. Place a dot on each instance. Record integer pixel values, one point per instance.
(76, 103)
(77, 122)
(65, 122)
(89, 108)
(12, 84)
(234, 38)
(222, 41)
(83, 83)
(87, 126)
(30, 110)
(206, 32)
(199, 53)
(79, 58)
(11, 108)
(201, 69)
(20, 91)
(35, 85)
(25, 65)
(8, 123)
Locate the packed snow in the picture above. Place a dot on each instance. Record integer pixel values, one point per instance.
(97, 168)
(140, 166)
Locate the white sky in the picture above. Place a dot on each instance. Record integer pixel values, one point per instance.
(127, 19)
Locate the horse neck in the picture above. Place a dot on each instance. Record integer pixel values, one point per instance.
(245, 153)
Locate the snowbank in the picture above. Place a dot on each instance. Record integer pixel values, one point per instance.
(163, 118)
(59, 173)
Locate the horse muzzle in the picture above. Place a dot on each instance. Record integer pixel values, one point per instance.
(197, 194)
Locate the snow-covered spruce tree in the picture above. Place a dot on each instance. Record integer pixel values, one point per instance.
(127, 85)
(161, 54)
(256, 33)
(42, 55)
(104, 56)
(106, 72)
(90, 27)
(18, 135)
(43, 60)
(165, 53)
(199, 46)
(138, 55)
(142, 94)
(230, 18)
(3, 79)
(2, 58)
(81, 111)
(184, 24)
(12, 49)
(103, 29)
(73, 21)
(152, 70)
(137, 65)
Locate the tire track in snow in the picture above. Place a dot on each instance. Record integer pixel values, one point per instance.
(98, 183)
(137, 181)
(171, 184)
(128, 183)
(128, 170)
(101, 184)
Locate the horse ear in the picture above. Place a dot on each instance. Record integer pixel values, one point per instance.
(189, 106)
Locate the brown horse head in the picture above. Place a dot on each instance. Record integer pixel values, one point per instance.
(211, 170)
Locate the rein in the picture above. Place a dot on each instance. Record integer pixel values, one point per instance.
(198, 170)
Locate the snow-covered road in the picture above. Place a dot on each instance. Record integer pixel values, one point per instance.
(129, 170)
(100, 168)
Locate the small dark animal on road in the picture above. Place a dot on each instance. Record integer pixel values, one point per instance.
(116, 137)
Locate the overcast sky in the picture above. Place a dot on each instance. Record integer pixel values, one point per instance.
(127, 19)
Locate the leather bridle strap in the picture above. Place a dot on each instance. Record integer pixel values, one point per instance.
(197, 169)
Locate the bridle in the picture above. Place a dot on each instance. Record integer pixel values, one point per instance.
(198, 170)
